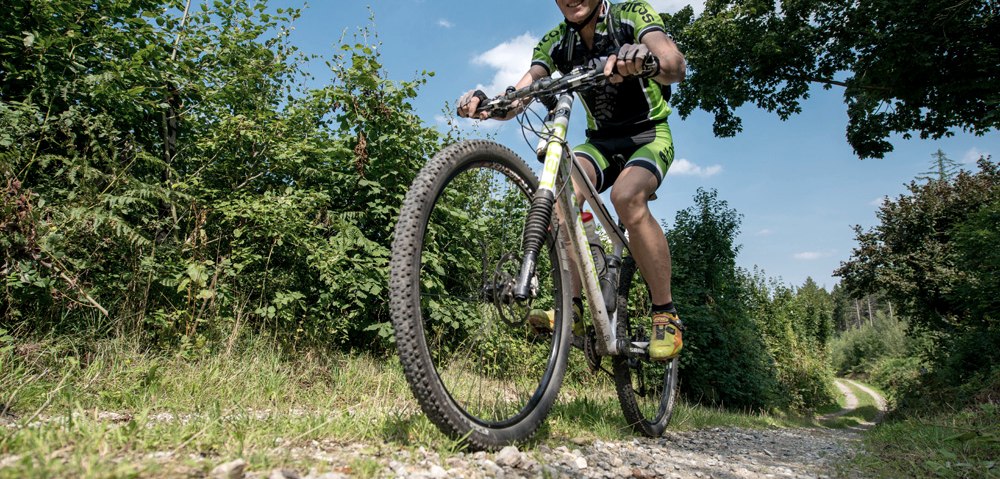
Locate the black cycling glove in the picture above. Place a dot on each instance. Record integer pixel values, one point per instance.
(650, 63)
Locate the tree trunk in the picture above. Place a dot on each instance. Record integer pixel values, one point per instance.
(857, 312)
(871, 317)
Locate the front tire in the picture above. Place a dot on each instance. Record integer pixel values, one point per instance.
(479, 372)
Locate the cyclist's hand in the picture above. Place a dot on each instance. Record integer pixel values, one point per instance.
(629, 61)
(469, 102)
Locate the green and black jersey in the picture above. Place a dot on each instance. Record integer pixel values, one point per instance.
(634, 103)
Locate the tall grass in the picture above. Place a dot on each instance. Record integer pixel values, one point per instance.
(947, 445)
(105, 408)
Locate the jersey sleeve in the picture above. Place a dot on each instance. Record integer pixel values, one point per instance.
(544, 51)
(642, 19)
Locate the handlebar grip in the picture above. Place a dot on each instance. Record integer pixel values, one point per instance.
(650, 66)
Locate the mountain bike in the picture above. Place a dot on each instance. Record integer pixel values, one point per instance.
(478, 246)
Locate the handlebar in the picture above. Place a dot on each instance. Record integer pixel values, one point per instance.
(580, 78)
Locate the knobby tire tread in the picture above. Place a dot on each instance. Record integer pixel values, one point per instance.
(622, 372)
(416, 360)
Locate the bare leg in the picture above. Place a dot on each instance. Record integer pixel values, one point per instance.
(630, 195)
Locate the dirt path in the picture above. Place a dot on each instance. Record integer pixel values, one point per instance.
(717, 453)
(851, 401)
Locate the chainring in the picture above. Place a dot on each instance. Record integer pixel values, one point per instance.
(590, 352)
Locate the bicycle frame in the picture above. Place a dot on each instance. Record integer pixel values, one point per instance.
(559, 168)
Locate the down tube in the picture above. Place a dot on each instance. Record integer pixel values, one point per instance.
(586, 269)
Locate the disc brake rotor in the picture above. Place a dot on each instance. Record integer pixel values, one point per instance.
(499, 291)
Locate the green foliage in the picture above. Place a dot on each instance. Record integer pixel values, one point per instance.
(858, 350)
(899, 376)
(906, 67)
(925, 254)
(934, 256)
(176, 171)
(797, 352)
(746, 346)
(977, 256)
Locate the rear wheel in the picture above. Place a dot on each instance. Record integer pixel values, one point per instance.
(647, 389)
(479, 371)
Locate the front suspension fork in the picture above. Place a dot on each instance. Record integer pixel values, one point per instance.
(535, 230)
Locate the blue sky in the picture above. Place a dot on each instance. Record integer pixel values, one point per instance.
(797, 183)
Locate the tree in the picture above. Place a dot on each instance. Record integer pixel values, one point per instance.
(745, 346)
(942, 168)
(843, 309)
(814, 308)
(907, 67)
(723, 361)
(933, 253)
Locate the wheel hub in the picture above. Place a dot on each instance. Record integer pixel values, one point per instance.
(498, 289)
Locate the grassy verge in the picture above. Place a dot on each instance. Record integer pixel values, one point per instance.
(949, 445)
(113, 409)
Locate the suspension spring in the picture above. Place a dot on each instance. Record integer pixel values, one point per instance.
(535, 229)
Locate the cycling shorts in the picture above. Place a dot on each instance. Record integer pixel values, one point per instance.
(651, 148)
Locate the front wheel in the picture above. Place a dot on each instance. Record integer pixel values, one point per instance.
(647, 389)
(480, 372)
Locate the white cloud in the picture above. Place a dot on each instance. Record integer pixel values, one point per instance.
(812, 255)
(684, 167)
(764, 232)
(672, 6)
(973, 155)
(879, 201)
(445, 23)
(510, 59)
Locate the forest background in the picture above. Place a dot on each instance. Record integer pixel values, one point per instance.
(167, 175)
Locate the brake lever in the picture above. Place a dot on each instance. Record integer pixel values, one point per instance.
(497, 107)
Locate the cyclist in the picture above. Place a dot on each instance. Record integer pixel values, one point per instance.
(629, 144)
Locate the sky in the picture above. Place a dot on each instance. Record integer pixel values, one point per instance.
(797, 184)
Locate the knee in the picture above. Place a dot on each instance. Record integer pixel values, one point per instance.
(632, 208)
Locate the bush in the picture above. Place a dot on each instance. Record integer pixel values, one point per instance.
(896, 375)
(807, 382)
(963, 369)
(179, 173)
(855, 351)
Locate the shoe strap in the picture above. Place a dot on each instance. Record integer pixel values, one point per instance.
(677, 324)
(675, 321)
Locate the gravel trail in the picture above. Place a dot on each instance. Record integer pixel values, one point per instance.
(713, 453)
(723, 453)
